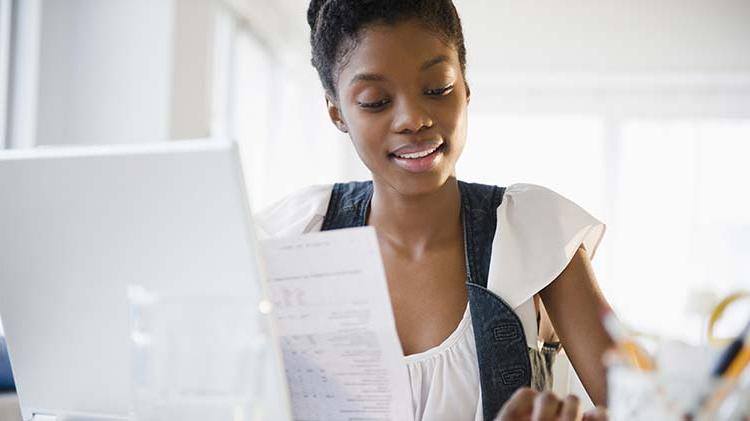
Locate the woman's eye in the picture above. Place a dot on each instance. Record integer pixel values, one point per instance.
(371, 105)
(439, 91)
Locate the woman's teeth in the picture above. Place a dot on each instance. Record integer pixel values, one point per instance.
(417, 155)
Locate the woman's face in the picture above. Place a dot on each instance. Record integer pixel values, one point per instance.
(402, 99)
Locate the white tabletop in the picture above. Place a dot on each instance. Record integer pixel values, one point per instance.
(9, 410)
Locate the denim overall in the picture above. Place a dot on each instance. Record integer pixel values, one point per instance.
(505, 361)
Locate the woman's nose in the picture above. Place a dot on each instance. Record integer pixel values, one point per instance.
(410, 117)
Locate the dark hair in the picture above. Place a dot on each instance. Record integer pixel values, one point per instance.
(336, 25)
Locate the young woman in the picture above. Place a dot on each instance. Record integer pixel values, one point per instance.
(473, 270)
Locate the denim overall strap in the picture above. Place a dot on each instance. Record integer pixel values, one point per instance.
(348, 205)
(502, 353)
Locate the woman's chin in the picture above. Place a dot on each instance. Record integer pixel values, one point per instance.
(421, 184)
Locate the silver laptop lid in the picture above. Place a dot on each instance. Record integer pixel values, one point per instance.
(78, 225)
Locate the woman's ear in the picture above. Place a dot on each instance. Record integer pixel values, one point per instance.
(468, 92)
(335, 114)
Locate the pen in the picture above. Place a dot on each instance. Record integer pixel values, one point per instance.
(730, 364)
(626, 345)
(741, 362)
(730, 359)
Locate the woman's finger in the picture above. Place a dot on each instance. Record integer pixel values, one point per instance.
(546, 407)
(571, 409)
(519, 406)
(596, 414)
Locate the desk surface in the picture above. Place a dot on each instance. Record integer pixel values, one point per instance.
(9, 410)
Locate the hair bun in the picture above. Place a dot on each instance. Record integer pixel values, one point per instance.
(313, 11)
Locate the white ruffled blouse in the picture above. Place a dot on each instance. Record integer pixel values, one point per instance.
(538, 231)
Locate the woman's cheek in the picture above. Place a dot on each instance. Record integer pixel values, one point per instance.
(374, 132)
(452, 121)
(370, 144)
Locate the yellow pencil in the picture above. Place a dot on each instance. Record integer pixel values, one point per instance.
(740, 362)
(626, 345)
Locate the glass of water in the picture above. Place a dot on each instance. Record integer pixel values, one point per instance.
(198, 357)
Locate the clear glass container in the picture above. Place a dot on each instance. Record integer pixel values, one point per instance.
(635, 395)
(198, 358)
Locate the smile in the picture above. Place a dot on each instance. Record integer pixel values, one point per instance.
(417, 155)
(420, 161)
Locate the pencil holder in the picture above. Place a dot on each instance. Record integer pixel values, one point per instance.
(646, 396)
(736, 407)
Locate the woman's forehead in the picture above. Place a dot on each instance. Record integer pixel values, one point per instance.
(403, 47)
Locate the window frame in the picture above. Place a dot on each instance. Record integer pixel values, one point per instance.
(6, 27)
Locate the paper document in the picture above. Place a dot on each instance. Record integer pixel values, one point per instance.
(342, 356)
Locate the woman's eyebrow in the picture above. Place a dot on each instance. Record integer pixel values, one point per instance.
(366, 77)
(375, 77)
(433, 61)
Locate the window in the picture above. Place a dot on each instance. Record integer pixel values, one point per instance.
(5, 40)
(683, 223)
(538, 149)
(243, 100)
(270, 101)
(672, 192)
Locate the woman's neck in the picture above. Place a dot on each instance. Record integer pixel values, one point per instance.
(417, 224)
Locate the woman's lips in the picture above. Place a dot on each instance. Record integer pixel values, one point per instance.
(419, 161)
(412, 148)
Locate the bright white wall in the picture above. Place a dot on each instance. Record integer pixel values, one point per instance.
(608, 36)
(191, 75)
(105, 71)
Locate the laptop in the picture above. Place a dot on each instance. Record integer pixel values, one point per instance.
(79, 226)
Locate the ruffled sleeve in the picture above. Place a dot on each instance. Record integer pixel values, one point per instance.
(299, 213)
(538, 232)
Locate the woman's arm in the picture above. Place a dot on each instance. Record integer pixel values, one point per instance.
(574, 303)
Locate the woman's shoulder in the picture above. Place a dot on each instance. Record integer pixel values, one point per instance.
(538, 232)
(520, 189)
(534, 204)
(533, 195)
(300, 212)
(525, 194)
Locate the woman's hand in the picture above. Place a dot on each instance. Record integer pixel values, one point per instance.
(528, 405)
